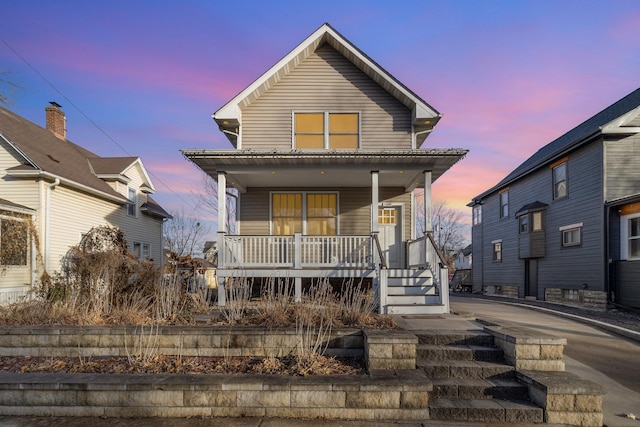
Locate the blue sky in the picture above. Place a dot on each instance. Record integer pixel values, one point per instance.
(508, 76)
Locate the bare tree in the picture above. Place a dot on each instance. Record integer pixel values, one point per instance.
(209, 200)
(7, 88)
(183, 234)
(449, 230)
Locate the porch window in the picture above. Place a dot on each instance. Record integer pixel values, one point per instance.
(308, 213)
(14, 241)
(326, 130)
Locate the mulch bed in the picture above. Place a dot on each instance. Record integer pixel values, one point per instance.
(311, 365)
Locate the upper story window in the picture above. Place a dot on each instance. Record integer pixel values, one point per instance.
(504, 204)
(327, 130)
(559, 172)
(530, 222)
(133, 202)
(477, 214)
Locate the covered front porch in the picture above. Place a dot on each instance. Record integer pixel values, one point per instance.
(369, 230)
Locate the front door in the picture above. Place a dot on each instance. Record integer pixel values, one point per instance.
(390, 227)
(531, 278)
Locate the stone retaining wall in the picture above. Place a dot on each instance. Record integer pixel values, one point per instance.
(86, 341)
(403, 396)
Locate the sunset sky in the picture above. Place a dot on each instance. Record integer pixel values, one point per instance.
(143, 77)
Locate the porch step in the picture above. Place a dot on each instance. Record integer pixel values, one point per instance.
(408, 272)
(406, 300)
(485, 410)
(435, 308)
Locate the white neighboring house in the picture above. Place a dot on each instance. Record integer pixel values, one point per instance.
(464, 258)
(65, 190)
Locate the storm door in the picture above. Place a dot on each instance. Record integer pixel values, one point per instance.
(390, 227)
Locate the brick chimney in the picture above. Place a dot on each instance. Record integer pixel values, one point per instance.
(56, 120)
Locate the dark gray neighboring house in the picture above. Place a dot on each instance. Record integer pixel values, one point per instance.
(564, 226)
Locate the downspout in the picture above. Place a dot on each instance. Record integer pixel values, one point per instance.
(34, 258)
(414, 135)
(47, 230)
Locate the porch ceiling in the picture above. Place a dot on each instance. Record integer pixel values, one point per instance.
(252, 168)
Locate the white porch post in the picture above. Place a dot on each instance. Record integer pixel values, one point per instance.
(427, 202)
(374, 201)
(222, 228)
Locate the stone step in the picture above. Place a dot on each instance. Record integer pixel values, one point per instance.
(470, 369)
(462, 388)
(485, 410)
(444, 337)
(430, 352)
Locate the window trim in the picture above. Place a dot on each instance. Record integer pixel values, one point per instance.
(325, 132)
(304, 208)
(494, 252)
(142, 246)
(564, 230)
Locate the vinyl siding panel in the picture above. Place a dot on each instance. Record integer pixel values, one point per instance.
(326, 81)
(353, 205)
(566, 268)
(622, 159)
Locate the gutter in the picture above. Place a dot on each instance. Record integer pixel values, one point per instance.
(68, 183)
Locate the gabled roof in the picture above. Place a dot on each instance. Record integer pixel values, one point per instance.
(622, 117)
(115, 168)
(229, 118)
(45, 155)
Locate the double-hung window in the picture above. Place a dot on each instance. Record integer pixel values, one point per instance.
(497, 250)
(504, 204)
(326, 130)
(309, 213)
(630, 238)
(477, 214)
(133, 202)
(559, 172)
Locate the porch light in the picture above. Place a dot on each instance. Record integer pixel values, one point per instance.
(321, 172)
(427, 122)
(273, 172)
(401, 171)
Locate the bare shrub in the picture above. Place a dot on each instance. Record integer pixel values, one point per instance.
(170, 298)
(276, 306)
(238, 296)
(145, 346)
(314, 320)
(356, 305)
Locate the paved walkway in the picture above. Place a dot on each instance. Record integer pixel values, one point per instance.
(618, 400)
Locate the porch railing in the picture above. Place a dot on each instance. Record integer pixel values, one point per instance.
(295, 251)
(423, 253)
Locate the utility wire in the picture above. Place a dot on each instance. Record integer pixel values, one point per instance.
(155, 177)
